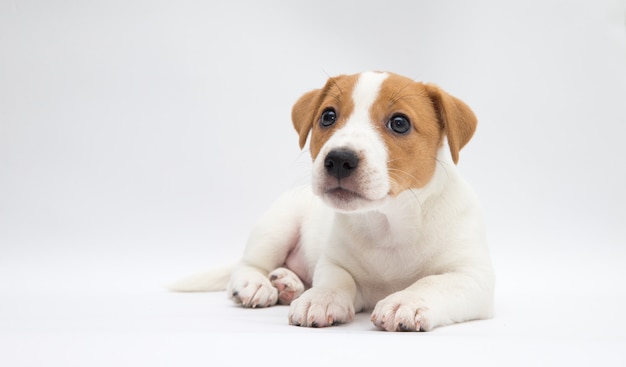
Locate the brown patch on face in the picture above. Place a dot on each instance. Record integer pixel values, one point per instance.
(306, 113)
(411, 155)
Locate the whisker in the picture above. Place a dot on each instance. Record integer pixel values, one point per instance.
(395, 100)
(398, 171)
(332, 80)
(335, 97)
(419, 202)
(392, 99)
(303, 165)
(415, 159)
(302, 152)
(417, 199)
(442, 165)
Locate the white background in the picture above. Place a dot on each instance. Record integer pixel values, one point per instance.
(140, 140)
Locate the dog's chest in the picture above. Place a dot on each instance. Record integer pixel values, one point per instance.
(394, 262)
(381, 251)
(387, 269)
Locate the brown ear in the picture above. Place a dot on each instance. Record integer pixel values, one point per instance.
(457, 119)
(302, 114)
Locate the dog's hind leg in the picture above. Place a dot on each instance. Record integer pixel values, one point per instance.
(288, 284)
(273, 238)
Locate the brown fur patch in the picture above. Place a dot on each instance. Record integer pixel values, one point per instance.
(306, 113)
(457, 119)
(411, 156)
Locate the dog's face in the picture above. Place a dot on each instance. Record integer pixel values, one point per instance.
(375, 135)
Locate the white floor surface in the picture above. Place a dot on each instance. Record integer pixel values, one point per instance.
(571, 314)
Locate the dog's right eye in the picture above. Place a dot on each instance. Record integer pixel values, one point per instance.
(329, 117)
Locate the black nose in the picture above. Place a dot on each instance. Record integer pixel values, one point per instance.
(340, 163)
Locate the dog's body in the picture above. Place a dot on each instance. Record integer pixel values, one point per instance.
(388, 224)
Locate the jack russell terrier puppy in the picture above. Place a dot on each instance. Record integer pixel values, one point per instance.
(387, 225)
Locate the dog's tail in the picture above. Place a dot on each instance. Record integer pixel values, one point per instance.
(209, 281)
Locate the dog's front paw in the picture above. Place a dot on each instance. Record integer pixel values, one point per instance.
(288, 284)
(401, 311)
(253, 291)
(321, 307)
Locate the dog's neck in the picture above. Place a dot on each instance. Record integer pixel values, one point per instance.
(402, 216)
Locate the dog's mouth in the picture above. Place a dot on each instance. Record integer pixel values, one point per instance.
(346, 200)
(344, 195)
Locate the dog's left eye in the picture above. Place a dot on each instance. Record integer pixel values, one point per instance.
(329, 117)
(399, 124)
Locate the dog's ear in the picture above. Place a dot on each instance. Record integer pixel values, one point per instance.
(456, 118)
(302, 114)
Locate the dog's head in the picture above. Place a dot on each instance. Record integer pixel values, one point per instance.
(374, 135)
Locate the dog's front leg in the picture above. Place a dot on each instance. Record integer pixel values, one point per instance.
(329, 302)
(436, 300)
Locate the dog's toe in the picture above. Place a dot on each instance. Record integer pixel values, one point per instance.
(287, 283)
(397, 313)
(321, 308)
(254, 294)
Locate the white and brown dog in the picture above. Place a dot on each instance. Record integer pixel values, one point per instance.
(387, 225)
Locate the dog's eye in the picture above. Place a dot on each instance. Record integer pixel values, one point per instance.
(329, 117)
(399, 124)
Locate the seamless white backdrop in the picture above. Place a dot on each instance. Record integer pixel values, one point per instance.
(140, 140)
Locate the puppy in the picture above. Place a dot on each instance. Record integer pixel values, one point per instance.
(387, 224)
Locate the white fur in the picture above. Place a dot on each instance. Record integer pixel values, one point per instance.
(418, 260)
(359, 135)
